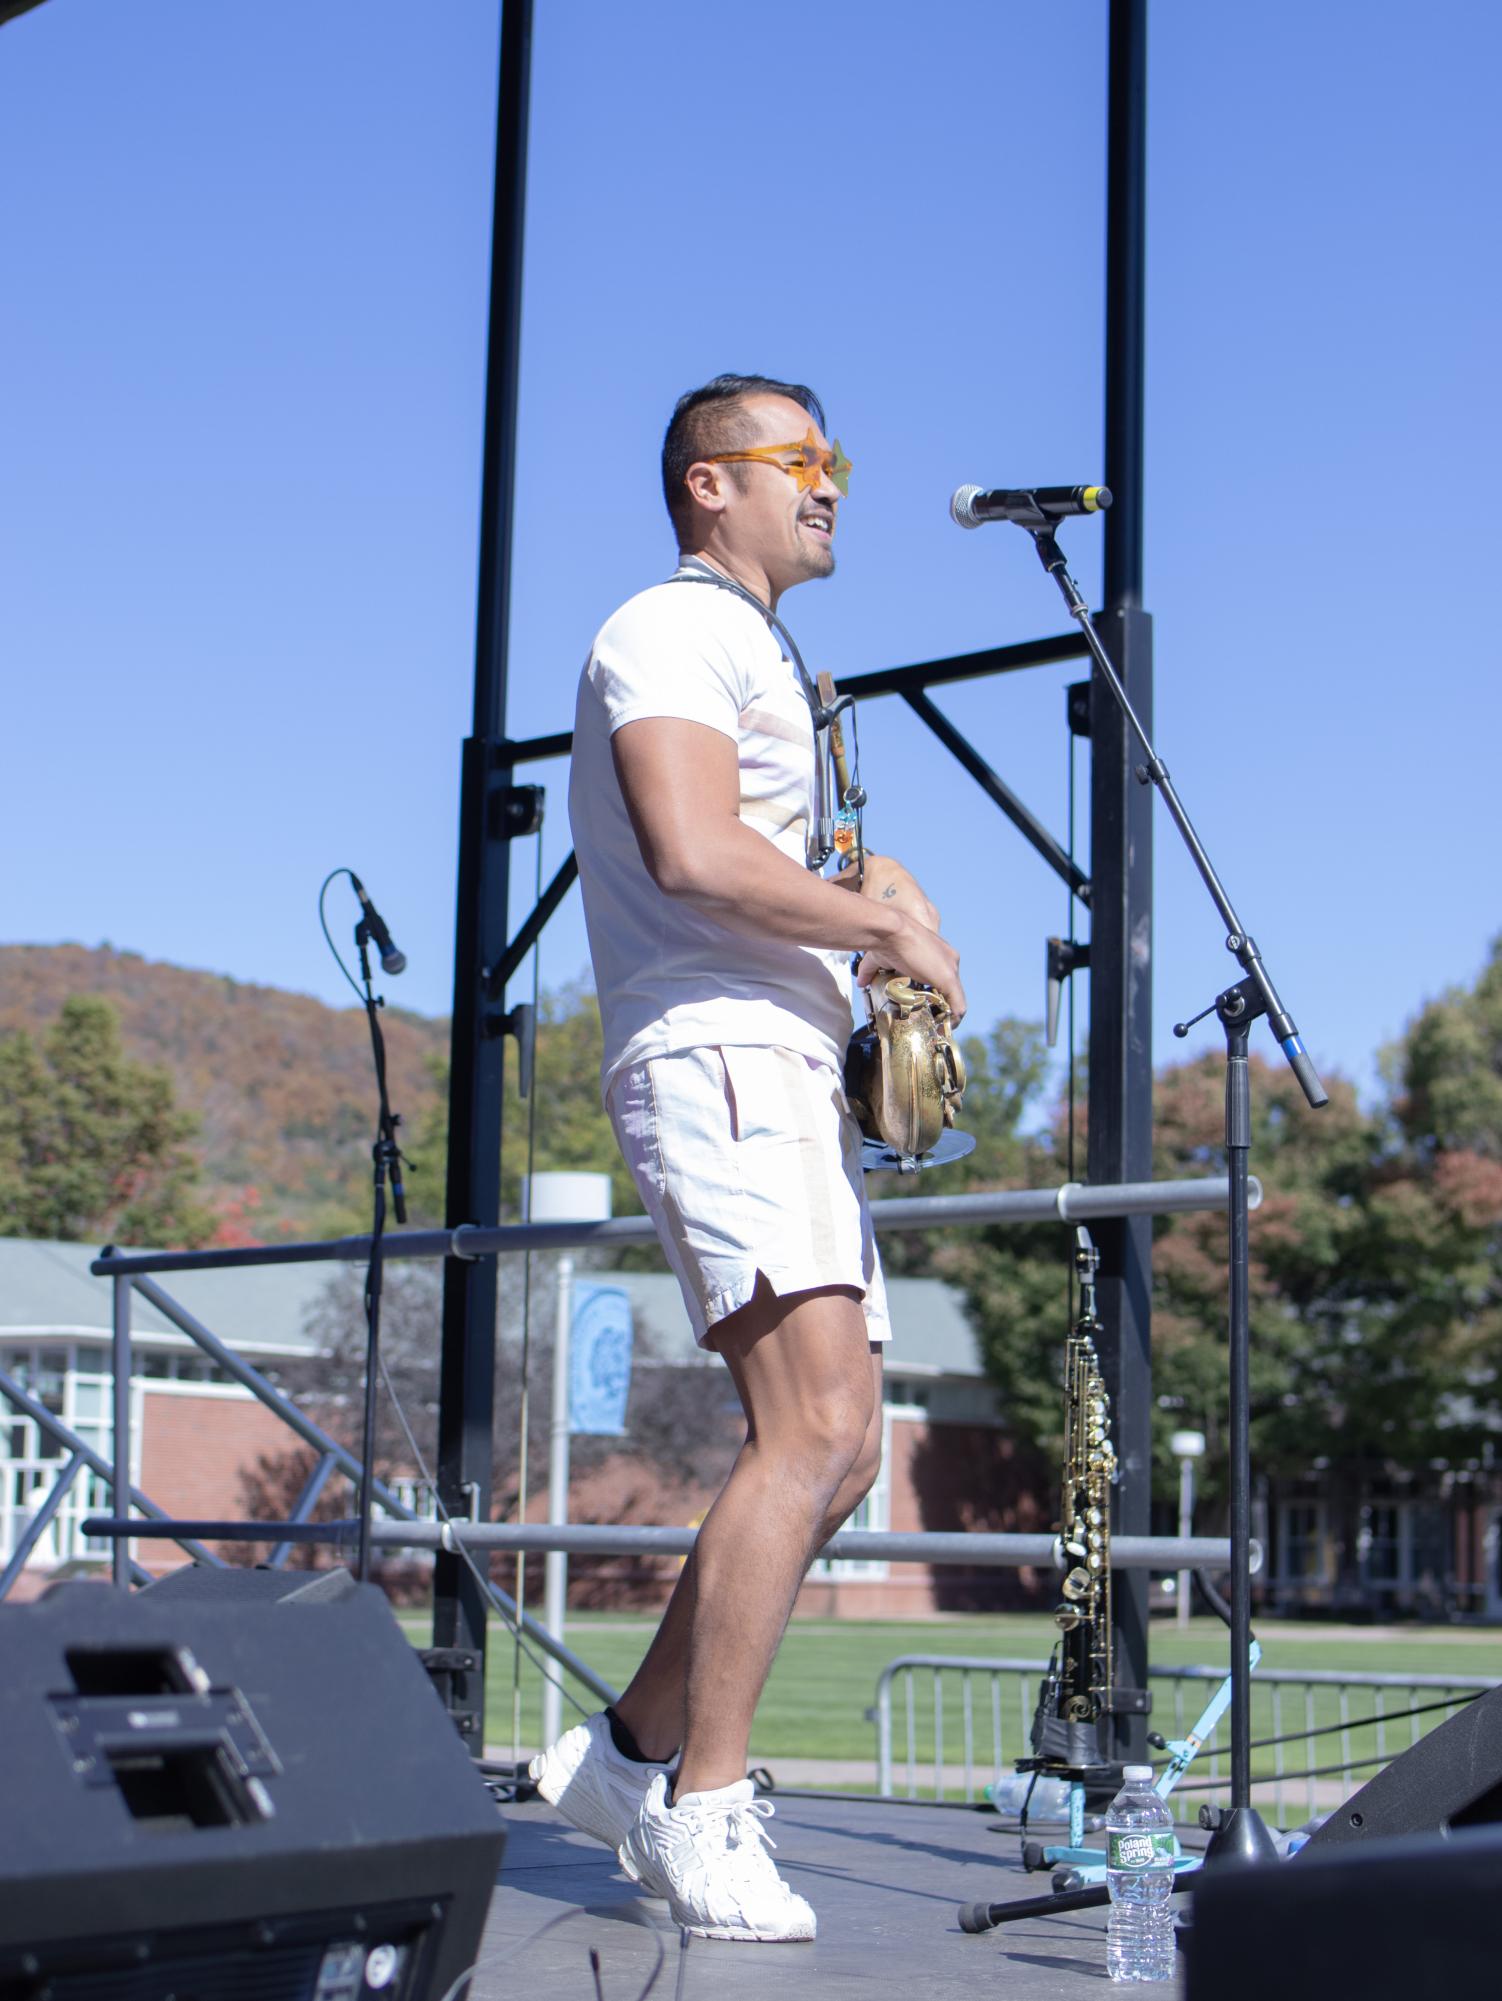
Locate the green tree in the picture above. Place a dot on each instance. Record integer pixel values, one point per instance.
(1006, 1071)
(92, 1144)
(572, 1132)
(1376, 1315)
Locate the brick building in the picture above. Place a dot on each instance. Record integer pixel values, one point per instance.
(193, 1429)
(948, 1462)
(1426, 1542)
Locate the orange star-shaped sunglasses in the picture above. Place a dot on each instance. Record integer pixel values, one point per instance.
(810, 462)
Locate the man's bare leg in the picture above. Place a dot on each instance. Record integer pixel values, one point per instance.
(653, 1705)
(810, 1385)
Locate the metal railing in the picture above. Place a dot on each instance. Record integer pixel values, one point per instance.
(1073, 1202)
(133, 1272)
(332, 1457)
(1316, 1733)
(81, 1458)
(962, 1547)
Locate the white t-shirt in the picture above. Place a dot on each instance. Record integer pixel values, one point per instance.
(670, 977)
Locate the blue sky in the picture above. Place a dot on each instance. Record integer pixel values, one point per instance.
(246, 252)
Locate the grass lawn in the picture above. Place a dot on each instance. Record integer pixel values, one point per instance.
(825, 1676)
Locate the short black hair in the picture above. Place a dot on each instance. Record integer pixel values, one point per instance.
(708, 420)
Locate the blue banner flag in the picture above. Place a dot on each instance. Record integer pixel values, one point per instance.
(599, 1360)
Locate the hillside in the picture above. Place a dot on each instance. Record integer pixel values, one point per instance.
(282, 1084)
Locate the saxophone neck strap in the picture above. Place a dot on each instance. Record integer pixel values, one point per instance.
(694, 570)
(832, 831)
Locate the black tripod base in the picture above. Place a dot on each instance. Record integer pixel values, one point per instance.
(1240, 1835)
(986, 1917)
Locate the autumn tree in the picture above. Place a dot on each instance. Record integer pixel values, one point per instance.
(564, 1119)
(1376, 1307)
(93, 1145)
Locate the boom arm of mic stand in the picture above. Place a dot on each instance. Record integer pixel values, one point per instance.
(1155, 772)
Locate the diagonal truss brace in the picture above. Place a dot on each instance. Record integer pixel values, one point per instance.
(1032, 830)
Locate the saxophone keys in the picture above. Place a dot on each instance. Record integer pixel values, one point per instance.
(1077, 1583)
(1066, 1618)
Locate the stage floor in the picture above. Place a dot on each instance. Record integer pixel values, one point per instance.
(885, 1880)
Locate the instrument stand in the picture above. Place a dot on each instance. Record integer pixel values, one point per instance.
(1071, 1852)
(386, 1158)
(1240, 1833)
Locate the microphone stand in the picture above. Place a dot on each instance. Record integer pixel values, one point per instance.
(387, 1159)
(1239, 1831)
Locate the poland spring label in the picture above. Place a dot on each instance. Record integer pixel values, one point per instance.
(1140, 1848)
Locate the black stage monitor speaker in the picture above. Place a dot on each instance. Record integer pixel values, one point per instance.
(1450, 1779)
(232, 1786)
(1414, 1919)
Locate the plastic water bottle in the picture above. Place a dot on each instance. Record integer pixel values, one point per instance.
(1139, 1874)
(1045, 1796)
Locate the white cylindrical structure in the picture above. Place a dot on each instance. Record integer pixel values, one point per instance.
(561, 1198)
(1186, 1447)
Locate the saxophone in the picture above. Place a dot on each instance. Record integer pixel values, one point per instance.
(904, 1075)
(1076, 1691)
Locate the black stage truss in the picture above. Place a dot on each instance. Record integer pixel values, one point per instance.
(495, 810)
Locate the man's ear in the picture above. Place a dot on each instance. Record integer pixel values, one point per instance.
(707, 486)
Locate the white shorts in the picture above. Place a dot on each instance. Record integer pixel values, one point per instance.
(749, 1160)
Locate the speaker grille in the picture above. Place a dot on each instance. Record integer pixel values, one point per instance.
(323, 1959)
(288, 1973)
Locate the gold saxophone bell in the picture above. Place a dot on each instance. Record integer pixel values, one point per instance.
(904, 1076)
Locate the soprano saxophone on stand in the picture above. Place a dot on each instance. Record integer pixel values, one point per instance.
(1076, 1692)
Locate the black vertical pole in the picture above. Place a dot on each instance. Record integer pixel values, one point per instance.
(1238, 1147)
(1120, 1143)
(467, 1376)
(1126, 258)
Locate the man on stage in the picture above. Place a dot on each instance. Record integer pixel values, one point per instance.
(721, 961)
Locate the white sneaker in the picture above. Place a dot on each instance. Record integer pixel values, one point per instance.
(708, 1856)
(590, 1783)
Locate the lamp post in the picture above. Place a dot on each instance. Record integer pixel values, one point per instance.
(561, 1198)
(1186, 1447)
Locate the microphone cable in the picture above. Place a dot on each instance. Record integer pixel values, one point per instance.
(548, 1670)
(323, 890)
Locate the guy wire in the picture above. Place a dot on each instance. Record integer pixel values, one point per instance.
(519, 1591)
(548, 1669)
(1069, 917)
(1072, 760)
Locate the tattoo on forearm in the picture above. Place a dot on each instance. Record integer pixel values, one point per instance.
(889, 892)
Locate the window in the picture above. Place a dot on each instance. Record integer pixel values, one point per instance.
(73, 1382)
(874, 1512)
(905, 1396)
(414, 1494)
(1404, 1550)
(1380, 1548)
(1303, 1553)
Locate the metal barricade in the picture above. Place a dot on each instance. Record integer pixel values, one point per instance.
(1317, 1734)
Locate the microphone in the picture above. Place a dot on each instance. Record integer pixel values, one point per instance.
(1030, 507)
(393, 961)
